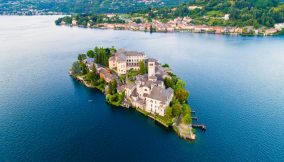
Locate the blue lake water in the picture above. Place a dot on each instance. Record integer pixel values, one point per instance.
(236, 85)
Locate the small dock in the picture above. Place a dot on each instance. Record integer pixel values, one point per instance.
(194, 118)
(200, 126)
(193, 112)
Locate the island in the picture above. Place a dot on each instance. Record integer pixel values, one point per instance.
(253, 17)
(130, 79)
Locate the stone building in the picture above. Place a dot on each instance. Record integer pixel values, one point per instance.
(148, 91)
(122, 61)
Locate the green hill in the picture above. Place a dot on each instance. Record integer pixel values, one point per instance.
(239, 13)
(81, 6)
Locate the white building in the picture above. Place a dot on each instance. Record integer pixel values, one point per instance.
(121, 65)
(279, 26)
(74, 22)
(227, 17)
(148, 92)
(129, 88)
(194, 7)
(158, 100)
(122, 61)
(152, 70)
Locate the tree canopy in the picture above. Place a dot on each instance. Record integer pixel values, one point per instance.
(113, 87)
(102, 55)
(91, 54)
(76, 69)
(142, 68)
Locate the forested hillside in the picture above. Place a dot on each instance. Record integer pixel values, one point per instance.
(81, 6)
(246, 17)
(240, 13)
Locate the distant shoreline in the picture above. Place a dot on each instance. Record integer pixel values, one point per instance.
(199, 30)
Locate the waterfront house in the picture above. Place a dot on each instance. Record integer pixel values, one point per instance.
(74, 22)
(279, 26)
(158, 100)
(218, 30)
(105, 74)
(110, 15)
(270, 31)
(110, 26)
(89, 62)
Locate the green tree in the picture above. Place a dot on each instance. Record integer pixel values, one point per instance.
(94, 68)
(90, 76)
(182, 95)
(176, 109)
(186, 119)
(168, 82)
(102, 55)
(113, 87)
(169, 112)
(91, 54)
(138, 20)
(82, 57)
(179, 84)
(142, 67)
(122, 78)
(75, 69)
(84, 68)
(58, 21)
(186, 109)
(112, 50)
(165, 65)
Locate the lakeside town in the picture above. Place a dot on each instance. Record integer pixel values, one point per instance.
(132, 80)
(183, 25)
(179, 24)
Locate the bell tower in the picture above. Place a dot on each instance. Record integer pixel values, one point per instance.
(151, 68)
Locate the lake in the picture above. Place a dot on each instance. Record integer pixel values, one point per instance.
(236, 87)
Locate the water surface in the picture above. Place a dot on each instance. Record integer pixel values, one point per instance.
(236, 85)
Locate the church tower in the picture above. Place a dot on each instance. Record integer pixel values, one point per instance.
(151, 69)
